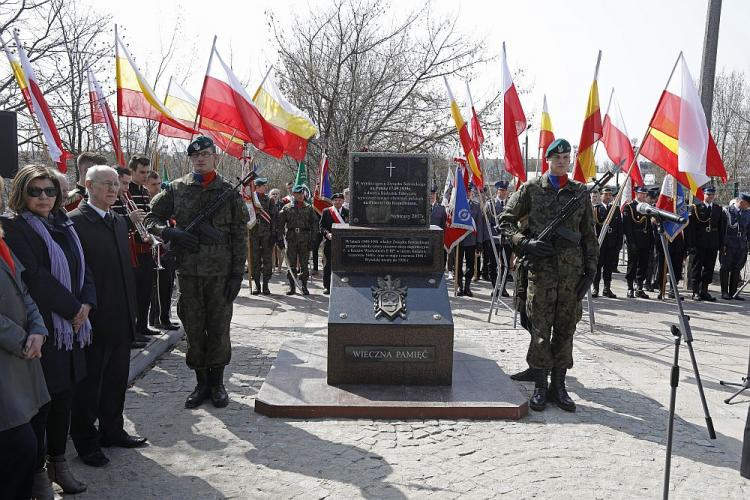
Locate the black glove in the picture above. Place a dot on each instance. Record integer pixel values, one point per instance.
(181, 238)
(583, 286)
(232, 288)
(537, 248)
(280, 244)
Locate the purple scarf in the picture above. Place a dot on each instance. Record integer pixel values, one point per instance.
(61, 272)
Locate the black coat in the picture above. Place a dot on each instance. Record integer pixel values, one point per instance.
(326, 220)
(62, 369)
(438, 217)
(637, 227)
(108, 256)
(707, 227)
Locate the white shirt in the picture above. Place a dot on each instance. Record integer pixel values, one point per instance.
(98, 210)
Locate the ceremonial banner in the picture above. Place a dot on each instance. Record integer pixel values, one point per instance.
(293, 126)
(466, 142)
(678, 139)
(40, 109)
(100, 113)
(617, 144)
(672, 199)
(17, 69)
(585, 166)
(546, 135)
(459, 221)
(514, 123)
(135, 97)
(323, 191)
(477, 136)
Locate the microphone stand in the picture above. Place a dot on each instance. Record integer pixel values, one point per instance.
(678, 331)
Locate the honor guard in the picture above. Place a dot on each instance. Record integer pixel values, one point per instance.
(704, 236)
(640, 239)
(336, 214)
(609, 251)
(498, 205)
(297, 222)
(262, 237)
(734, 251)
(558, 274)
(210, 264)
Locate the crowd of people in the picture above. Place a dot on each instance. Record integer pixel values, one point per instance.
(90, 273)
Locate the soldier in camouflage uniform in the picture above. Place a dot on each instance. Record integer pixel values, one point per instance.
(210, 265)
(559, 273)
(298, 220)
(262, 237)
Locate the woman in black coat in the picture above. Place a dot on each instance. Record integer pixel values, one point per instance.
(43, 238)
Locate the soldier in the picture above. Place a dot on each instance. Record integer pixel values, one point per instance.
(262, 237)
(209, 270)
(704, 236)
(640, 239)
(734, 250)
(336, 214)
(609, 252)
(297, 219)
(558, 274)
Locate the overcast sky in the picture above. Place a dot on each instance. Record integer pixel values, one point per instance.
(556, 42)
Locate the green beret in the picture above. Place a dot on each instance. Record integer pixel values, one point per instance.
(299, 189)
(558, 146)
(261, 181)
(199, 144)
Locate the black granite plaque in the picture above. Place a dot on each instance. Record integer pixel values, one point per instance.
(390, 354)
(389, 189)
(389, 251)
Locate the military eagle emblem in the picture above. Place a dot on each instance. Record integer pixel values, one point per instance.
(389, 298)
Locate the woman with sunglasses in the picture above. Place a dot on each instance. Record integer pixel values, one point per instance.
(42, 236)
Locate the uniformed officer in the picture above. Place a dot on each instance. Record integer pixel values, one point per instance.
(609, 251)
(734, 251)
(467, 248)
(297, 222)
(336, 214)
(559, 274)
(499, 202)
(262, 237)
(652, 280)
(209, 268)
(640, 239)
(704, 236)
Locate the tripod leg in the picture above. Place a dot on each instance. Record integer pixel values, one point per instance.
(674, 380)
(745, 387)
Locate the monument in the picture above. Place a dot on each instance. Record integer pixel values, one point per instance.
(390, 350)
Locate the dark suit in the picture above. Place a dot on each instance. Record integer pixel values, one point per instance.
(101, 395)
(609, 252)
(325, 225)
(704, 236)
(640, 238)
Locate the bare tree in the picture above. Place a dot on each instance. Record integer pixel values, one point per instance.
(731, 123)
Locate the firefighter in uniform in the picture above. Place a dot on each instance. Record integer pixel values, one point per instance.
(640, 239)
(704, 236)
(734, 251)
(609, 252)
(297, 222)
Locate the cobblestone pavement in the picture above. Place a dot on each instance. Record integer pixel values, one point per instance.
(612, 447)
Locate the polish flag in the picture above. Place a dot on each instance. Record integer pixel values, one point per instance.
(514, 123)
(225, 106)
(41, 110)
(100, 113)
(617, 142)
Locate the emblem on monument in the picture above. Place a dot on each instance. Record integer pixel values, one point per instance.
(389, 298)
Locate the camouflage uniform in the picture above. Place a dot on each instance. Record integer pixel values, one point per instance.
(297, 222)
(262, 237)
(551, 303)
(203, 275)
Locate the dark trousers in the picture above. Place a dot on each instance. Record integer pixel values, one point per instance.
(676, 255)
(327, 266)
(161, 294)
(702, 270)
(608, 257)
(466, 253)
(489, 261)
(144, 278)
(317, 239)
(17, 456)
(637, 264)
(52, 422)
(101, 395)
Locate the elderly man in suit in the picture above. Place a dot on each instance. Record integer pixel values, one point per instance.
(101, 395)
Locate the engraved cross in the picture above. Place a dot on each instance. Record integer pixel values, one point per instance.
(390, 168)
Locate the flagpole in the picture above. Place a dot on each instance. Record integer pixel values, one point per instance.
(616, 202)
(268, 72)
(203, 87)
(117, 53)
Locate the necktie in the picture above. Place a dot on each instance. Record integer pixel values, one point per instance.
(108, 220)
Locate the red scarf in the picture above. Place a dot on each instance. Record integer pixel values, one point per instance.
(5, 254)
(205, 179)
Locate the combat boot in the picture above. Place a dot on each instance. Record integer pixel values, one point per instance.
(734, 283)
(292, 286)
(256, 289)
(305, 291)
(608, 292)
(527, 375)
(266, 290)
(467, 287)
(705, 295)
(41, 488)
(219, 396)
(640, 293)
(558, 393)
(201, 392)
(59, 472)
(538, 401)
(595, 292)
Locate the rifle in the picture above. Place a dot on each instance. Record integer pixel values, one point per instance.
(200, 224)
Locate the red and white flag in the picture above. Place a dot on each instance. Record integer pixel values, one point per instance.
(41, 110)
(225, 106)
(100, 113)
(514, 123)
(617, 142)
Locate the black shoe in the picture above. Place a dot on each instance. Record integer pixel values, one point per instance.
(292, 287)
(94, 458)
(608, 293)
(468, 292)
(726, 296)
(265, 290)
(527, 375)
(150, 332)
(558, 393)
(538, 401)
(504, 293)
(201, 392)
(739, 297)
(219, 396)
(460, 292)
(167, 326)
(125, 441)
(304, 289)
(641, 294)
(138, 345)
(649, 287)
(697, 297)
(326, 291)
(708, 297)
(595, 293)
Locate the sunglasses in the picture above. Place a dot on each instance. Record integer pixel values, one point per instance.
(36, 192)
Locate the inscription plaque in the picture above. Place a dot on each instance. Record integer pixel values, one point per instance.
(399, 251)
(390, 354)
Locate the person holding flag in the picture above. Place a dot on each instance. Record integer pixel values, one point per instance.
(558, 273)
